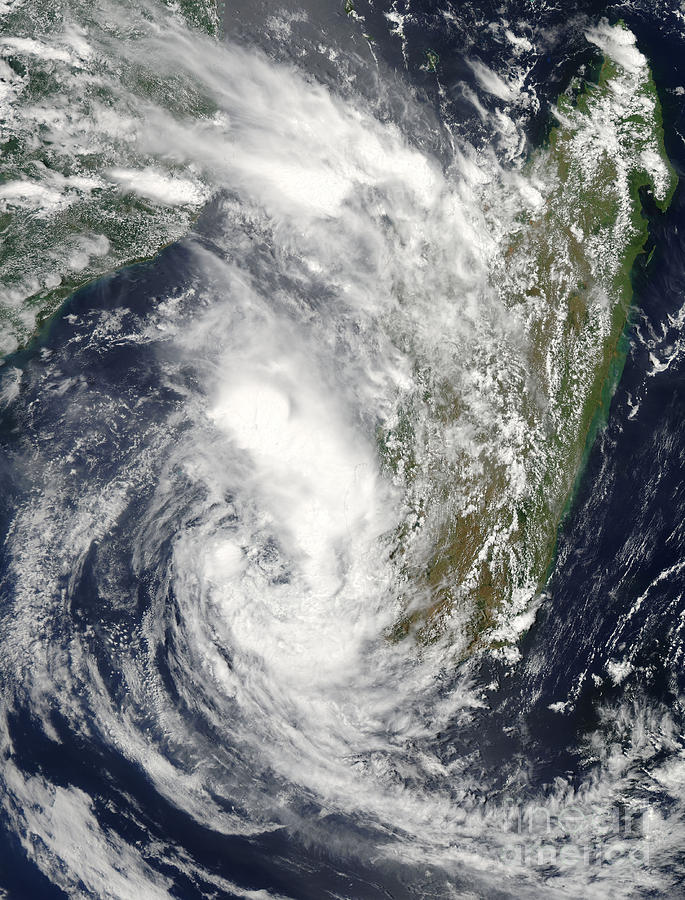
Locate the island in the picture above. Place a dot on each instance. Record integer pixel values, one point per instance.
(535, 379)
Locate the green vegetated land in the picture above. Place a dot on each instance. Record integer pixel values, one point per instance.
(83, 189)
(563, 277)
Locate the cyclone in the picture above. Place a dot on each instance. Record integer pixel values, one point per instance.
(265, 355)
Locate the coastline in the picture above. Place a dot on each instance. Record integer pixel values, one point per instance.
(641, 245)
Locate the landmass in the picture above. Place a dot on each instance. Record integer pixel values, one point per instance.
(534, 392)
(84, 189)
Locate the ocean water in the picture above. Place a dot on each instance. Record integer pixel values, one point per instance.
(197, 700)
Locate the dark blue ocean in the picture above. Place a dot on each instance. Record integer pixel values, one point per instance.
(617, 589)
